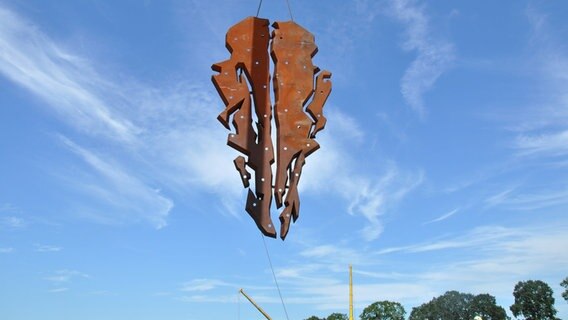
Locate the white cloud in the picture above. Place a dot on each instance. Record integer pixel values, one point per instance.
(203, 285)
(499, 198)
(484, 259)
(536, 200)
(65, 275)
(544, 127)
(128, 195)
(7, 207)
(172, 128)
(444, 216)
(66, 82)
(214, 298)
(6, 250)
(497, 257)
(372, 199)
(434, 55)
(367, 195)
(58, 290)
(545, 144)
(12, 222)
(332, 257)
(47, 248)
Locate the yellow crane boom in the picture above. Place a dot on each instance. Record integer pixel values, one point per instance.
(350, 292)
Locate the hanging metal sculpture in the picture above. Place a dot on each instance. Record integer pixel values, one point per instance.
(300, 92)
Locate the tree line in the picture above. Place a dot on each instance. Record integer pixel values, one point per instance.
(533, 301)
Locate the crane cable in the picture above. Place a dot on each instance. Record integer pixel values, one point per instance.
(274, 275)
(287, 3)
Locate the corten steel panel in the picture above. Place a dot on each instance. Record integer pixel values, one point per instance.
(247, 74)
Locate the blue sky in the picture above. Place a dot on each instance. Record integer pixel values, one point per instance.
(443, 165)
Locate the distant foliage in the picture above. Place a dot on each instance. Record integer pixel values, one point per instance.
(337, 316)
(533, 301)
(383, 310)
(564, 283)
(485, 306)
(454, 305)
(314, 318)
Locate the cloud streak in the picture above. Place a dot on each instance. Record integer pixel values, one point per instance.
(544, 129)
(173, 129)
(367, 195)
(7, 250)
(12, 222)
(123, 191)
(66, 275)
(434, 56)
(47, 248)
(444, 216)
(66, 82)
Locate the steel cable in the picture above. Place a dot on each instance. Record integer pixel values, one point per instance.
(274, 275)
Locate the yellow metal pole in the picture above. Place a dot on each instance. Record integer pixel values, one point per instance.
(350, 292)
(255, 305)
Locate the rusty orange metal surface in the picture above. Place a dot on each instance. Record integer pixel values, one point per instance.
(300, 92)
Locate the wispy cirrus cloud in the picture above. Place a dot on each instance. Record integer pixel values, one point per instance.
(552, 144)
(47, 248)
(8, 219)
(434, 55)
(173, 127)
(61, 280)
(531, 200)
(12, 222)
(543, 128)
(66, 275)
(200, 285)
(444, 216)
(502, 256)
(124, 192)
(366, 195)
(65, 81)
(6, 250)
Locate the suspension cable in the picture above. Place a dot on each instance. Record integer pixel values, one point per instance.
(274, 275)
(289, 10)
(287, 3)
(258, 10)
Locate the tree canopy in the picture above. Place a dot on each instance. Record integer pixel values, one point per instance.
(454, 305)
(337, 316)
(564, 283)
(383, 310)
(485, 306)
(533, 301)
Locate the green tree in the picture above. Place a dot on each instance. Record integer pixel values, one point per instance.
(314, 318)
(337, 316)
(533, 301)
(452, 305)
(485, 306)
(564, 283)
(383, 310)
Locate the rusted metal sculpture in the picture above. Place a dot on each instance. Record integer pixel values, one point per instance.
(243, 81)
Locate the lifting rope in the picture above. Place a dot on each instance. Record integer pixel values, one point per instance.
(274, 275)
(287, 3)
